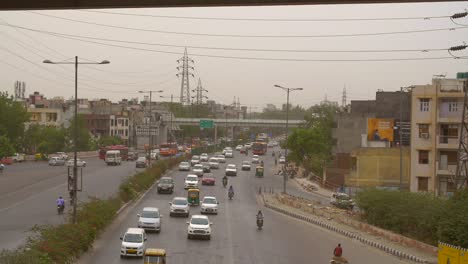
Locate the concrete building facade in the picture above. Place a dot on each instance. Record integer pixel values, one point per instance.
(435, 130)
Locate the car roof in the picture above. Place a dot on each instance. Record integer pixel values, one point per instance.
(192, 175)
(179, 198)
(232, 165)
(152, 209)
(200, 216)
(209, 197)
(166, 178)
(155, 252)
(134, 230)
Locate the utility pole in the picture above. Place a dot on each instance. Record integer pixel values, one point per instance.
(184, 72)
(400, 131)
(288, 90)
(150, 130)
(74, 191)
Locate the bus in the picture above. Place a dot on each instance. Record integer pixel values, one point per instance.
(168, 149)
(259, 148)
(123, 151)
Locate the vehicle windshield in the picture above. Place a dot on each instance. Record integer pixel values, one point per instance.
(133, 238)
(166, 181)
(199, 221)
(179, 202)
(210, 201)
(192, 178)
(246, 163)
(184, 164)
(198, 166)
(150, 214)
(195, 158)
(231, 166)
(221, 156)
(141, 159)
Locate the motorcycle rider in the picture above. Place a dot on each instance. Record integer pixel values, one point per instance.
(338, 251)
(259, 218)
(225, 181)
(60, 203)
(231, 191)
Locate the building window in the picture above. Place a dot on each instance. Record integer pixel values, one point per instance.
(126, 132)
(112, 122)
(126, 122)
(424, 131)
(453, 106)
(424, 104)
(423, 157)
(423, 184)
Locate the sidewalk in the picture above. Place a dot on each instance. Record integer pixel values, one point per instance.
(337, 220)
(312, 187)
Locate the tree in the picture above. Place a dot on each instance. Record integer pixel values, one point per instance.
(6, 149)
(109, 141)
(453, 226)
(84, 142)
(12, 119)
(44, 139)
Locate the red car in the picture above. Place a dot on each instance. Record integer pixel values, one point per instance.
(6, 161)
(208, 180)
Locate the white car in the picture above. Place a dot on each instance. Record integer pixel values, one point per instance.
(209, 205)
(191, 181)
(195, 160)
(62, 155)
(199, 226)
(255, 159)
(229, 154)
(248, 145)
(204, 157)
(221, 159)
(214, 164)
(231, 170)
(150, 219)
(198, 170)
(79, 163)
(282, 160)
(179, 206)
(226, 149)
(133, 243)
(184, 166)
(238, 147)
(246, 165)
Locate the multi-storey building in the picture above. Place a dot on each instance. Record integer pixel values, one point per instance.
(436, 115)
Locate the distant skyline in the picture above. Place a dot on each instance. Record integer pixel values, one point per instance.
(152, 63)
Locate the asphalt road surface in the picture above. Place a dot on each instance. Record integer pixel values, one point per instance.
(235, 238)
(28, 192)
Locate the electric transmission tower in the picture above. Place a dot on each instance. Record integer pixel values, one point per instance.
(199, 93)
(184, 68)
(461, 175)
(343, 98)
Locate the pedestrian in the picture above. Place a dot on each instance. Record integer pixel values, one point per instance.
(276, 161)
(338, 252)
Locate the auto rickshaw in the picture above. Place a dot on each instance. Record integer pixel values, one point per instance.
(154, 256)
(193, 196)
(259, 171)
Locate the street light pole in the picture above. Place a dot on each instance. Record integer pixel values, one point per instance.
(288, 90)
(75, 131)
(150, 122)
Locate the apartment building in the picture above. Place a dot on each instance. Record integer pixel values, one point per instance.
(436, 115)
(119, 126)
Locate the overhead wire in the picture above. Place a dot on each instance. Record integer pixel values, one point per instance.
(237, 57)
(271, 19)
(252, 36)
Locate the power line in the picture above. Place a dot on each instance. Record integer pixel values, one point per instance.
(272, 19)
(245, 58)
(254, 36)
(237, 49)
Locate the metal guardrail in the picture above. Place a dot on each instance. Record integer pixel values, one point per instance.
(238, 121)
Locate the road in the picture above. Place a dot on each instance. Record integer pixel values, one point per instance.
(28, 192)
(235, 238)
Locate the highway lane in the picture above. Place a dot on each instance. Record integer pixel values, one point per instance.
(235, 239)
(28, 192)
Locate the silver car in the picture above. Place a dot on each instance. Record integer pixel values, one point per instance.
(150, 219)
(209, 205)
(184, 166)
(56, 161)
(198, 170)
(179, 206)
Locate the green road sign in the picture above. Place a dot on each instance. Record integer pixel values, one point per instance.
(206, 123)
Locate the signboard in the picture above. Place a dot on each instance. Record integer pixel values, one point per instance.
(380, 129)
(450, 254)
(147, 131)
(206, 123)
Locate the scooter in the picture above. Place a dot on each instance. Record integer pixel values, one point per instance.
(230, 195)
(60, 209)
(259, 223)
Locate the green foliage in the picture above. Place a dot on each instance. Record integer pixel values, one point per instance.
(84, 142)
(109, 141)
(12, 119)
(6, 149)
(422, 216)
(44, 139)
(295, 112)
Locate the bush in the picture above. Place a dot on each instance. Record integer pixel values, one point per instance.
(421, 216)
(65, 243)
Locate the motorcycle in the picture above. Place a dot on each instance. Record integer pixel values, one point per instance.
(259, 223)
(2, 167)
(230, 195)
(338, 260)
(60, 209)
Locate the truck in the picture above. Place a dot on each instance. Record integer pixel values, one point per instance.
(18, 157)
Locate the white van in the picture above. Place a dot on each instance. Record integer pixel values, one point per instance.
(113, 157)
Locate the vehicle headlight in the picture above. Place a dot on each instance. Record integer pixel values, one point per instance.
(140, 248)
(123, 247)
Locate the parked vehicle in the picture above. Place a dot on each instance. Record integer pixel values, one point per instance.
(6, 161)
(342, 200)
(18, 157)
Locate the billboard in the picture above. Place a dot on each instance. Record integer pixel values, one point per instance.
(380, 129)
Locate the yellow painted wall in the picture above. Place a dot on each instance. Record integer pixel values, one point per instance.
(378, 167)
(449, 254)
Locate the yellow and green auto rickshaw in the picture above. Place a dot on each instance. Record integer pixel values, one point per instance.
(259, 171)
(154, 256)
(193, 196)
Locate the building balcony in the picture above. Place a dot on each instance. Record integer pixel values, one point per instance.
(446, 169)
(451, 119)
(447, 142)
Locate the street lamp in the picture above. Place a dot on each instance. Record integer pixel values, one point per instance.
(150, 121)
(287, 122)
(75, 130)
(400, 132)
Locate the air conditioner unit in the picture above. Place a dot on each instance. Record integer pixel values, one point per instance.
(425, 135)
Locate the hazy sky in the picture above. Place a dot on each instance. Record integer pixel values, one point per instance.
(130, 70)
